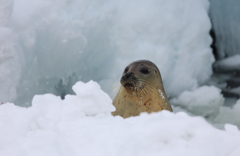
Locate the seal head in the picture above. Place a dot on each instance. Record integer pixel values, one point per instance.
(141, 90)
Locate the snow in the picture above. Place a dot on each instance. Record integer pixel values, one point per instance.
(228, 79)
(205, 101)
(10, 68)
(52, 126)
(228, 65)
(161, 93)
(229, 115)
(59, 43)
(6, 9)
(208, 101)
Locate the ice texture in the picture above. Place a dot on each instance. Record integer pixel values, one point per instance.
(227, 76)
(205, 101)
(225, 18)
(228, 65)
(52, 126)
(62, 42)
(10, 63)
(6, 8)
(208, 101)
(229, 115)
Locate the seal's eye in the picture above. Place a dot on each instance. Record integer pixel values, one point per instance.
(126, 70)
(145, 70)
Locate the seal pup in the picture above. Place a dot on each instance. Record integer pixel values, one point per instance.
(141, 90)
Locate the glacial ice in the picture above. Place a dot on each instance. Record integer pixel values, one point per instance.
(225, 18)
(58, 43)
(205, 101)
(228, 65)
(10, 63)
(229, 115)
(208, 101)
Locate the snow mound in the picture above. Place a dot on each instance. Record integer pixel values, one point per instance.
(89, 100)
(228, 65)
(204, 101)
(208, 101)
(229, 115)
(75, 127)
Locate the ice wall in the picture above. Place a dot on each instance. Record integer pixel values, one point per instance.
(64, 41)
(10, 67)
(225, 18)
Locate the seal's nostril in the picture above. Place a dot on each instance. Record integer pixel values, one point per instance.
(128, 75)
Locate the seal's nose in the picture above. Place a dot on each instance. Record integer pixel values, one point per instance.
(128, 75)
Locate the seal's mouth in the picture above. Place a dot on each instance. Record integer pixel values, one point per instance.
(128, 85)
(130, 82)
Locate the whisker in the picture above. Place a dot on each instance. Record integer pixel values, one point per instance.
(116, 87)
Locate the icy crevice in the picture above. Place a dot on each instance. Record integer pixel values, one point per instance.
(225, 19)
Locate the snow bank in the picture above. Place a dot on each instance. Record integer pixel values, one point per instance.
(204, 101)
(228, 65)
(67, 41)
(229, 115)
(207, 101)
(75, 127)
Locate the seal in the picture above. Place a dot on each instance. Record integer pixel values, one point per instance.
(141, 90)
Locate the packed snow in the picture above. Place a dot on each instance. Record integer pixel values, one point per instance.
(54, 44)
(207, 101)
(229, 115)
(204, 101)
(228, 65)
(82, 124)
